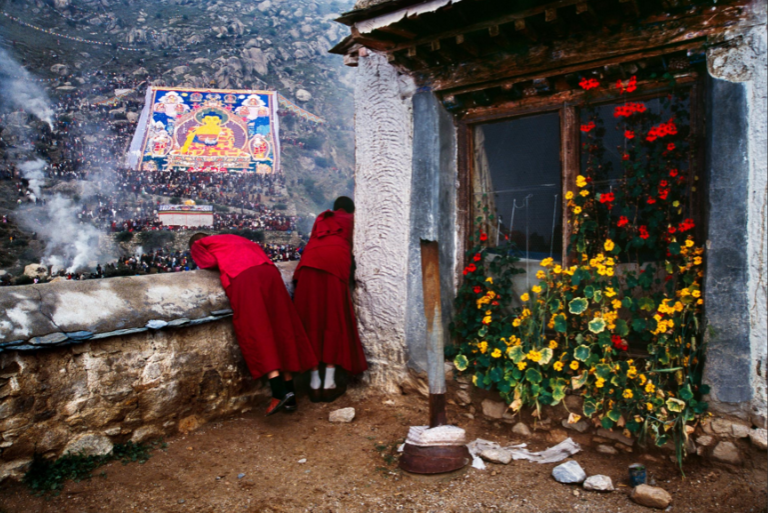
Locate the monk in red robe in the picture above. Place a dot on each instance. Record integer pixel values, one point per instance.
(268, 329)
(323, 300)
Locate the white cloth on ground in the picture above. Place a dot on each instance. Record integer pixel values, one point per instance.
(554, 454)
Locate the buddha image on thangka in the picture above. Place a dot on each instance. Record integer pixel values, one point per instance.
(208, 131)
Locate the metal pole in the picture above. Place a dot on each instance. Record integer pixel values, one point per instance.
(430, 279)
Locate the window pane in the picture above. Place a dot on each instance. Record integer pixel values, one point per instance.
(518, 178)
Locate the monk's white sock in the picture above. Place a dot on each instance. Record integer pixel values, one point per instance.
(314, 380)
(329, 382)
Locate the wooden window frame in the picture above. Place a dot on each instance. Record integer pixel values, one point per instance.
(567, 104)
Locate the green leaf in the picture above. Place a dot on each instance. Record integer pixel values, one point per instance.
(598, 296)
(614, 415)
(461, 362)
(627, 302)
(579, 381)
(589, 290)
(533, 375)
(589, 408)
(546, 356)
(596, 325)
(622, 329)
(675, 405)
(581, 353)
(578, 305)
(606, 422)
(554, 304)
(495, 374)
(561, 326)
(685, 393)
(603, 370)
(516, 354)
(482, 332)
(558, 394)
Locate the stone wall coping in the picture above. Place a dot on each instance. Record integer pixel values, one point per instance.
(34, 317)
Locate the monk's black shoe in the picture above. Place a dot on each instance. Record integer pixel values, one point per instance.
(331, 394)
(290, 405)
(316, 395)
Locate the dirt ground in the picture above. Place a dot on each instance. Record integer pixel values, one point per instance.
(252, 464)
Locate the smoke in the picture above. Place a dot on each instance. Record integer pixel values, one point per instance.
(20, 91)
(32, 170)
(69, 242)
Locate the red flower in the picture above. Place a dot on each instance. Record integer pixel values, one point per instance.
(627, 86)
(483, 237)
(663, 183)
(673, 173)
(625, 156)
(588, 83)
(478, 289)
(671, 229)
(651, 200)
(618, 343)
(663, 193)
(607, 197)
(686, 225)
(623, 221)
(465, 271)
(477, 257)
(471, 268)
(670, 146)
(643, 232)
(495, 303)
(629, 134)
(588, 127)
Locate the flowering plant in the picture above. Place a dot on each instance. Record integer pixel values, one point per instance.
(634, 283)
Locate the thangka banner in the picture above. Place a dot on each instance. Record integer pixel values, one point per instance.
(214, 130)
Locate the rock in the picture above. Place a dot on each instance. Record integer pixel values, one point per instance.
(342, 415)
(133, 117)
(463, 397)
(726, 452)
(140, 72)
(181, 70)
(493, 409)
(598, 483)
(90, 444)
(303, 95)
(302, 461)
(574, 403)
(721, 427)
(580, 426)
(739, 430)
(191, 423)
(556, 436)
(758, 438)
(60, 69)
(14, 469)
(263, 6)
(651, 496)
(569, 472)
(496, 456)
(705, 440)
(113, 431)
(616, 436)
(606, 449)
(36, 271)
(145, 433)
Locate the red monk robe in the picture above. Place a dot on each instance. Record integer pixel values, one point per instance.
(322, 295)
(268, 329)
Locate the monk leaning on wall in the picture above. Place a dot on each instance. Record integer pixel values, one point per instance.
(268, 329)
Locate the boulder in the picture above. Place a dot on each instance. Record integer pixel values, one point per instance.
(705, 440)
(758, 438)
(180, 70)
(726, 452)
(191, 423)
(303, 95)
(521, 429)
(574, 403)
(739, 430)
(36, 271)
(496, 456)
(493, 409)
(133, 117)
(651, 496)
(581, 426)
(60, 69)
(343, 415)
(255, 60)
(263, 6)
(463, 397)
(14, 469)
(140, 72)
(598, 483)
(628, 441)
(145, 433)
(569, 472)
(606, 449)
(89, 444)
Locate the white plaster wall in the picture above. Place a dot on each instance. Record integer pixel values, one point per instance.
(384, 136)
(744, 60)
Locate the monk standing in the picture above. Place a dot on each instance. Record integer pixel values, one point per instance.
(268, 330)
(323, 300)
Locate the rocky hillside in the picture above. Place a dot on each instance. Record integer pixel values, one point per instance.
(275, 44)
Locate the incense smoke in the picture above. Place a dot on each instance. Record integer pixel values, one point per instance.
(32, 170)
(20, 91)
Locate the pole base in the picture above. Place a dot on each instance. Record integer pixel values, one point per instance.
(435, 459)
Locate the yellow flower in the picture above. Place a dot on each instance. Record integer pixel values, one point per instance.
(574, 365)
(483, 346)
(650, 388)
(533, 355)
(627, 394)
(525, 313)
(577, 210)
(700, 302)
(649, 406)
(581, 182)
(689, 243)
(516, 323)
(496, 353)
(536, 289)
(697, 261)
(547, 262)
(584, 193)
(558, 366)
(474, 380)
(616, 304)
(541, 274)
(553, 344)
(696, 293)
(600, 383)
(487, 319)
(489, 280)
(643, 379)
(609, 245)
(609, 271)
(557, 269)
(632, 372)
(569, 195)
(488, 312)
(610, 292)
(525, 297)
(521, 365)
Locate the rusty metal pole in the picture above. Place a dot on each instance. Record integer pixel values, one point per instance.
(430, 279)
